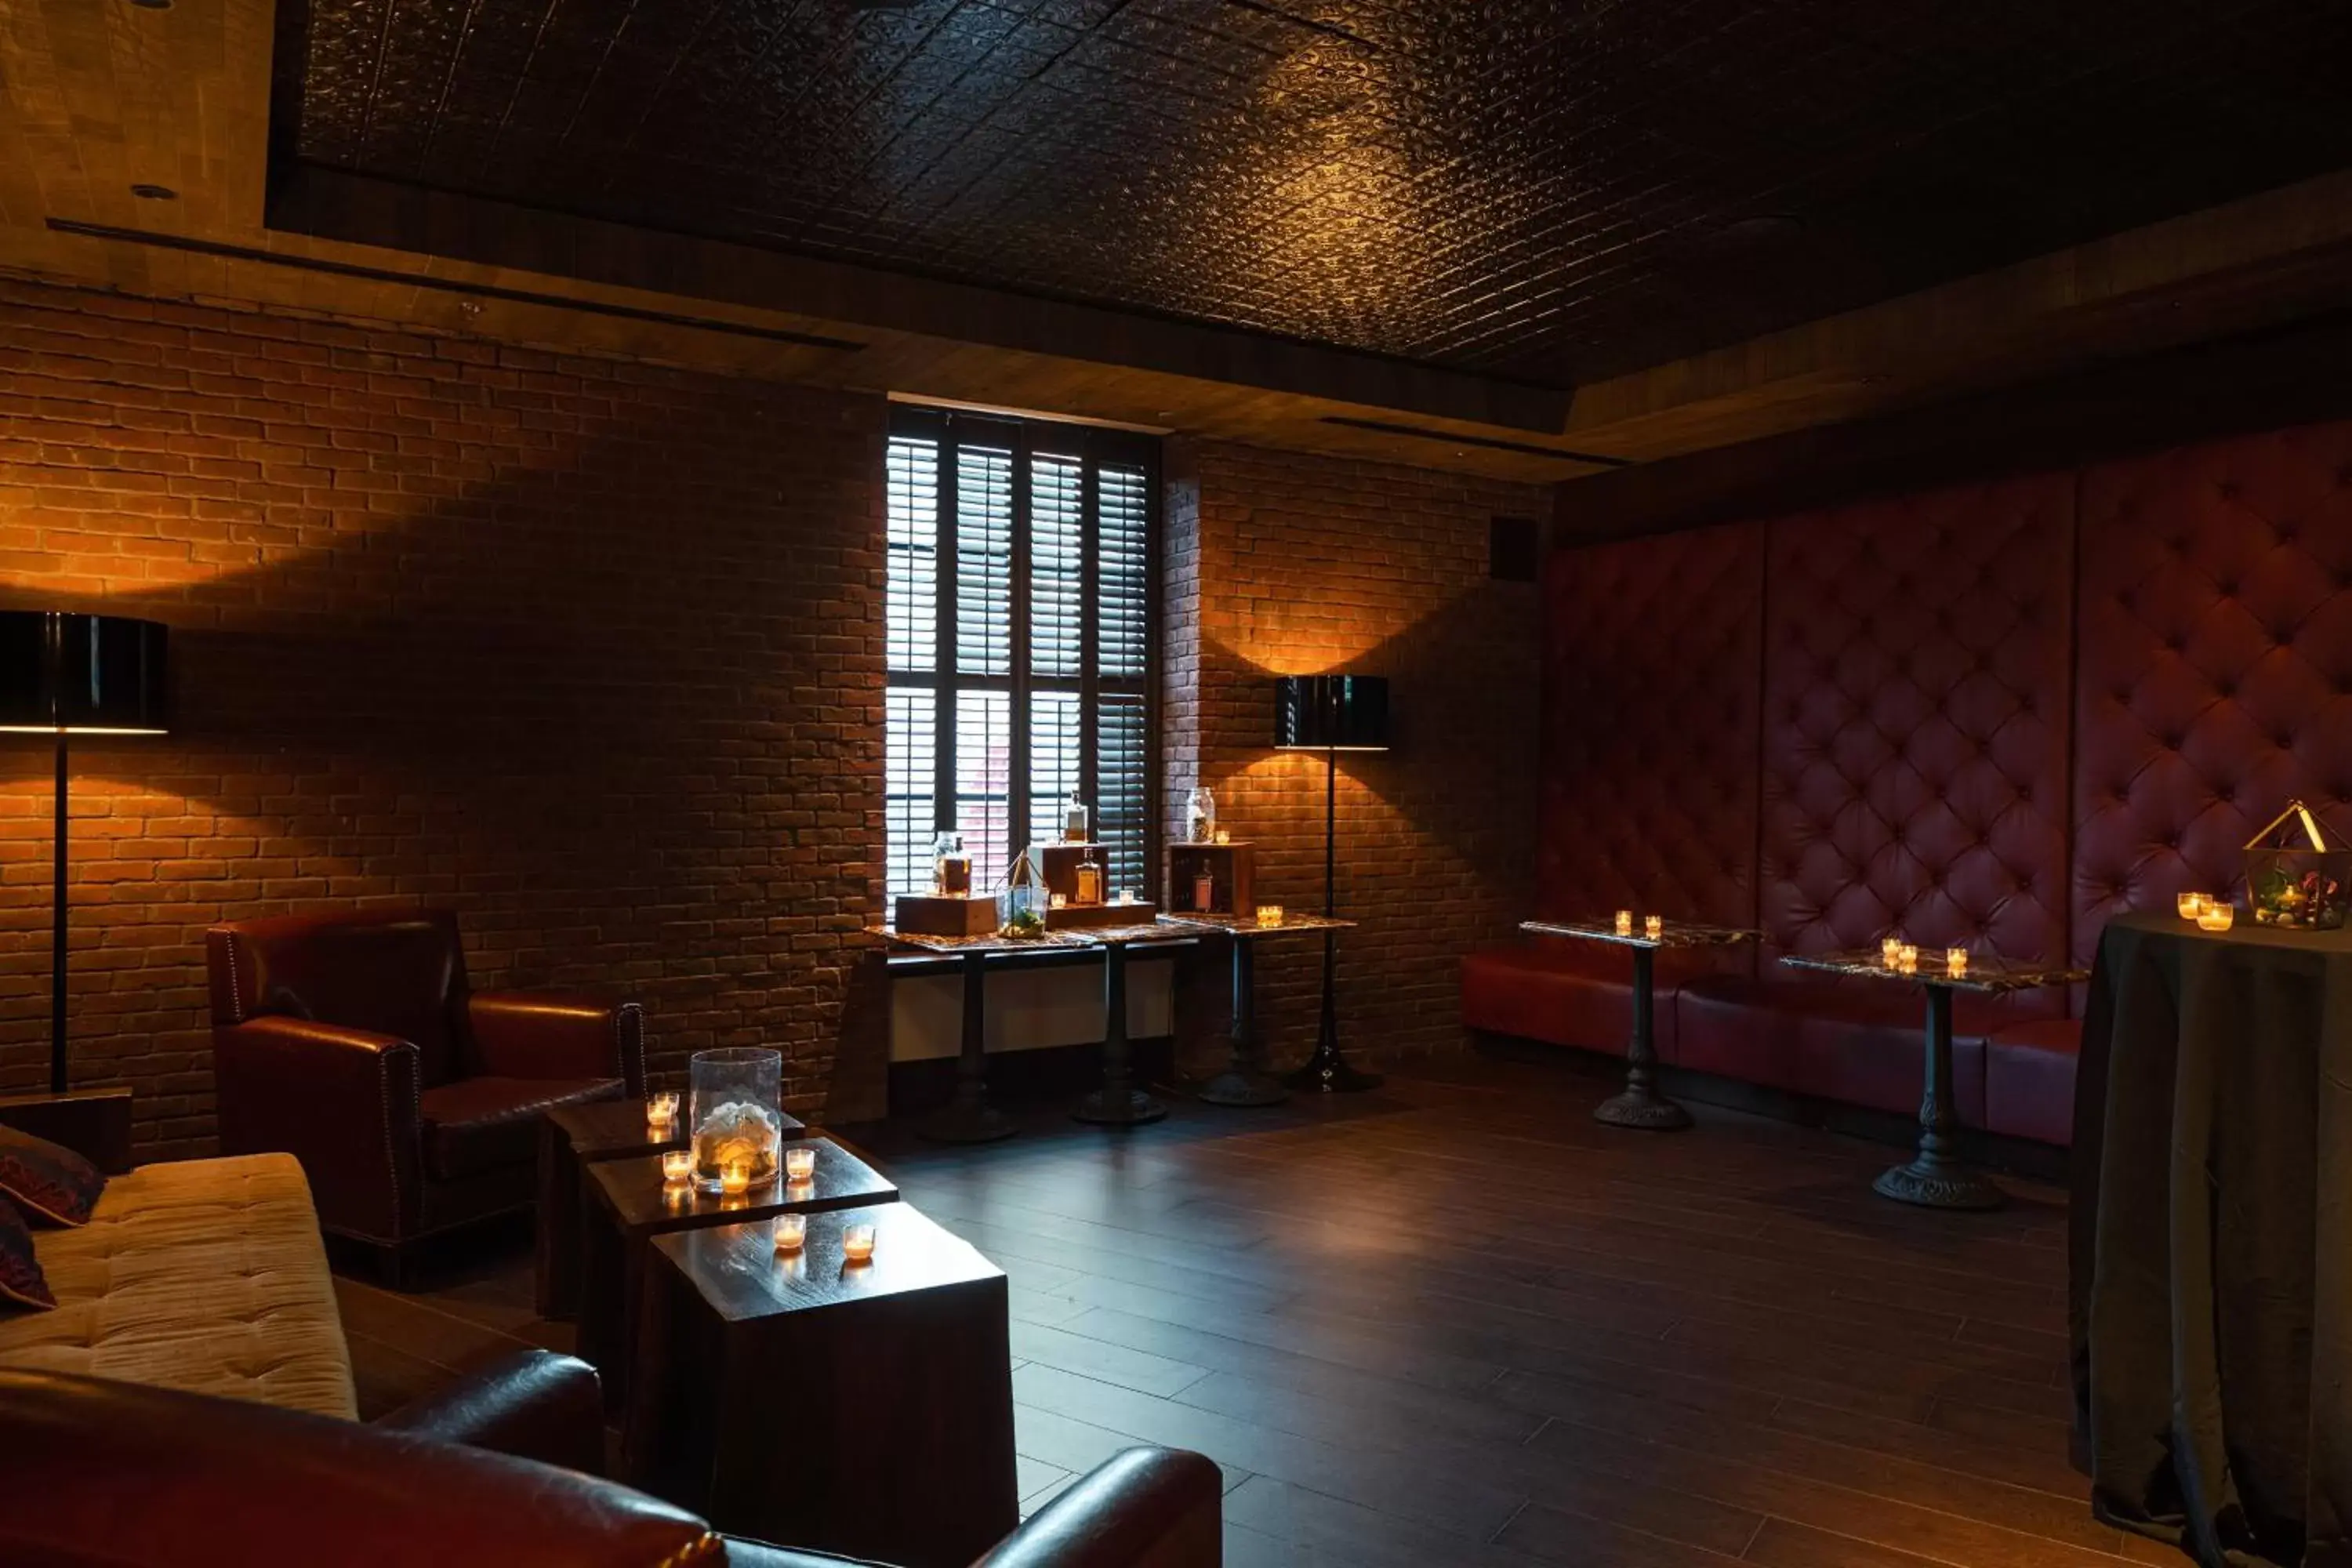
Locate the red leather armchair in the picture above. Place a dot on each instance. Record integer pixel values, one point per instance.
(95, 1473)
(353, 1043)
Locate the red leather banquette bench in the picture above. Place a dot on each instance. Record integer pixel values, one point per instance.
(1991, 716)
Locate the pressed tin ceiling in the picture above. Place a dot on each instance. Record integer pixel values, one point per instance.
(1548, 191)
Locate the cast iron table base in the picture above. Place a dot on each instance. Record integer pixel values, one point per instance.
(1118, 1103)
(1937, 1178)
(969, 1118)
(1245, 1081)
(1641, 1106)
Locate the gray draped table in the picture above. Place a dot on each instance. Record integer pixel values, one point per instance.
(2211, 1260)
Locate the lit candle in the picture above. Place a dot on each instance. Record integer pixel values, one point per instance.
(735, 1177)
(1269, 914)
(1653, 926)
(1060, 901)
(1890, 952)
(676, 1166)
(661, 1112)
(1223, 837)
(857, 1242)
(2192, 905)
(791, 1229)
(1956, 960)
(2217, 916)
(800, 1163)
(1625, 922)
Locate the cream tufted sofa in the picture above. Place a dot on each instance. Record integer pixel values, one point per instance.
(205, 1275)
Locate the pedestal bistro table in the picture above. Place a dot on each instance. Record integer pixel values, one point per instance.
(2210, 1266)
(1118, 1103)
(1937, 1178)
(1640, 1105)
(968, 1118)
(1245, 1080)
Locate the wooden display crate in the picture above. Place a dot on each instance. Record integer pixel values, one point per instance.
(1229, 867)
(1058, 864)
(930, 914)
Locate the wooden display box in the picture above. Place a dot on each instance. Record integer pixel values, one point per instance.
(930, 914)
(1059, 863)
(1229, 866)
(1089, 917)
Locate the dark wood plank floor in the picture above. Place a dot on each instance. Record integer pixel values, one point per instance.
(1457, 1322)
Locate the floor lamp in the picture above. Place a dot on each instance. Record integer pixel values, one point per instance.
(1330, 714)
(66, 675)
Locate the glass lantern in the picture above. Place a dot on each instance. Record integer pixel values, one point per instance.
(950, 866)
(1022, 903)
(1200, 817)
(736, 1112)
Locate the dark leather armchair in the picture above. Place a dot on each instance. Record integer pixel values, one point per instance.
(95, 1473)
(353, 1043)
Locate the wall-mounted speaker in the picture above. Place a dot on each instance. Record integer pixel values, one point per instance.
(1514, 549)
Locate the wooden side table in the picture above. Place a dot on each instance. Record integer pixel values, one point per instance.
(628, 1203)
(571, 1136)
(864, 1409)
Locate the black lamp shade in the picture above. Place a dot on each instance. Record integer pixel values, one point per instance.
(1331, 712)
(102, 675)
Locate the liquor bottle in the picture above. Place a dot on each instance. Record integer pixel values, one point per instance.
(1090, 882)
(1205, 891)
(1074, 821)
(951, 868)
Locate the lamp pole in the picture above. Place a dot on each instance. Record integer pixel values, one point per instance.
(58, 933)
(1327, 1072)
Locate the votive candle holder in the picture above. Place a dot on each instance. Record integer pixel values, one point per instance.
(677, 1167)
(800, 1163)
(792, 1232)
(1956, 960)
(1625, 922)
(735, 1177)
(2192, 905)
(857, 1243)
(2218, 917)
(1654, 926)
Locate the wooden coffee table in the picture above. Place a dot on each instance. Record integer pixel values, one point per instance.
(627, 1204)
(571, 1136)
(864, 1409)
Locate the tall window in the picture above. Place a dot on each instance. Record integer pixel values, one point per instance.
(1022, 659)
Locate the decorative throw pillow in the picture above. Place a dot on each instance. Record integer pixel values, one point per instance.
(22, 1283)
(46, 1180)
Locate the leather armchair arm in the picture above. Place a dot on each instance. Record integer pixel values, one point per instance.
(532, 1404)
(100, 1474)
(341, 1102)
(1145, 1508)
(548, 1034)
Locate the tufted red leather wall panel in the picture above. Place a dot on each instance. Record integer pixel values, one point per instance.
(2216, 669)
(1915, 721)
(1649, 733)
(1920, 720)
(1648, 793)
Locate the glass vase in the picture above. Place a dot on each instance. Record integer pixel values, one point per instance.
(1200, 817)
(736, 1111)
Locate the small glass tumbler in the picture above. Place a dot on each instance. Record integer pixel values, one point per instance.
(2218, 917)
(661, 1112)
(1956, 960)
(792, 1230)
(800, 1163)
(1625, 922)
(2192, 905)
(1654, 926)
(857, 1243)
(677, 1167)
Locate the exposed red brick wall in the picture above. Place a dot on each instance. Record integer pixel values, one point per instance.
(1285, 563)
(590, 650)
